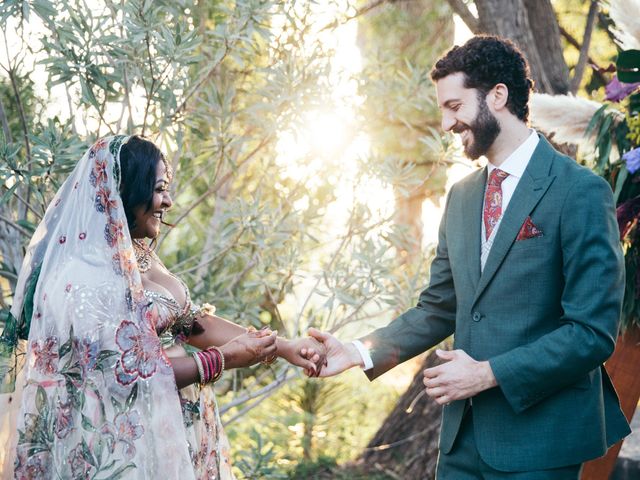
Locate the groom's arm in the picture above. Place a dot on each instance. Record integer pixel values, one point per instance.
(591, 302)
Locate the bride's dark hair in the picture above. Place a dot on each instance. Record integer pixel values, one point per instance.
(139, 159)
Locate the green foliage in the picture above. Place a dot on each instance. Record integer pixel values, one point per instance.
(614, 129)
(317, 424)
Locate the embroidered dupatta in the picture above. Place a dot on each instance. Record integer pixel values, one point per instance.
(96, 397)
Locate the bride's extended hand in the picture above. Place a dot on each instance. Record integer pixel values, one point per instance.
(307, 353)
(249, 348)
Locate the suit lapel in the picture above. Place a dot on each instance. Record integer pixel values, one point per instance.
(531, 188)
(473, 230)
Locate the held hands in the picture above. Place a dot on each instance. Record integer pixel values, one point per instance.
(307, 353)
(340, 356)
(249, 348)
(459, 378)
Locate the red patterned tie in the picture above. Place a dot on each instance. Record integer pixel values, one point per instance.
(493, 200)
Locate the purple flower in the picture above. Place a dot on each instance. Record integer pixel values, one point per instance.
(632, 159)
(617, 91)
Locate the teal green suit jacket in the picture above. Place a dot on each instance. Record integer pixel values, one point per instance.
(544, 312)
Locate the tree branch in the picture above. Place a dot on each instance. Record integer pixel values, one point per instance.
(222, 181)
(281, 378)
(460, 9)
(584, 51)
(5, 123)
(573, 42)
(361, 11)
(12, 224)
(23, 118)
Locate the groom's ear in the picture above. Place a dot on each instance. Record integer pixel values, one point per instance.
(497, 97)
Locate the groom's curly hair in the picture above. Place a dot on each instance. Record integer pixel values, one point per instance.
(485, 61)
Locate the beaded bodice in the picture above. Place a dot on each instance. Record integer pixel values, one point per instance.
(171, 320)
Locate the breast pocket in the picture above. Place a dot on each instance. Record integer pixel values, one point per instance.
(532, 243)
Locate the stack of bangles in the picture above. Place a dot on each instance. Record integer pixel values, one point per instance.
(210, 363)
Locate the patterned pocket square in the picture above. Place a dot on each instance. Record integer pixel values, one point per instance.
(528, 230)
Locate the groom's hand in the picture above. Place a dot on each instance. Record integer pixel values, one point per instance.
(458, 378)
(340, 356)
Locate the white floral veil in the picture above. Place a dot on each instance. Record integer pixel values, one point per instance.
(96, 397)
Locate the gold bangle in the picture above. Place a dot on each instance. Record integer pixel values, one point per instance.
(196, 358)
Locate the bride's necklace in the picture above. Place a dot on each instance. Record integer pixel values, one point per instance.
(144, 255)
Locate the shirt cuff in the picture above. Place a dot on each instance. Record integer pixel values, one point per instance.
(364, 353)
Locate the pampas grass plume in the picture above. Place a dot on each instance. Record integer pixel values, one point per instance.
(564, 116)
(626, 15)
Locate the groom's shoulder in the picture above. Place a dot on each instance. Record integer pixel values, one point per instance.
(569, 172)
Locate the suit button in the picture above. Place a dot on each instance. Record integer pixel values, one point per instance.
(476, 316)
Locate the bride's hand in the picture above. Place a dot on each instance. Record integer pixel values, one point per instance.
(307, 353)
(249, 348)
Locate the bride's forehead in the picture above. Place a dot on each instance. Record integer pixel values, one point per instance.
(161, 172)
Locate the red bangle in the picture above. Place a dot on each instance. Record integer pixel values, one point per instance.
(206, 367)
(217, 353)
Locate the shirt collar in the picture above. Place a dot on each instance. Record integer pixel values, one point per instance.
(517, 162)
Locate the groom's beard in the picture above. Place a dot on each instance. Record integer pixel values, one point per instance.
(484, 130)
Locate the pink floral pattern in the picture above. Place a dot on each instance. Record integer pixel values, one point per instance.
(30, 467)
(86, 353)
(80, 462)
(103, 201)
(128, 429)
(140, 352)
(98, 175)
(113, 232)
(64, 420)
(46, 354)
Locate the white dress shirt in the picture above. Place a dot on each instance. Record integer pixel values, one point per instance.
(514, 165)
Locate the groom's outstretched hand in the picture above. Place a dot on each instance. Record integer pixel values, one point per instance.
(459, 377)
(340, 356)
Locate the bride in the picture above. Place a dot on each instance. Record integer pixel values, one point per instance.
(115, 377)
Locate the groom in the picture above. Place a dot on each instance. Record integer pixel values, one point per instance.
(528, 276)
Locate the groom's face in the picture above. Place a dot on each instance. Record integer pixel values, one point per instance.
(465, 112)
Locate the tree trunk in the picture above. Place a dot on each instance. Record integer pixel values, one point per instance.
(533, 26)
(406, 445)
(623, 370)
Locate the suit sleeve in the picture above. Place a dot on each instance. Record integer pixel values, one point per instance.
(423, 326)
(591, 301)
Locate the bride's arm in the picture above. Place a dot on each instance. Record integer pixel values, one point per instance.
(213, 330)
(303, 352)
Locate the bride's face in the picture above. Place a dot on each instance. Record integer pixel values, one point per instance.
(148, 221)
